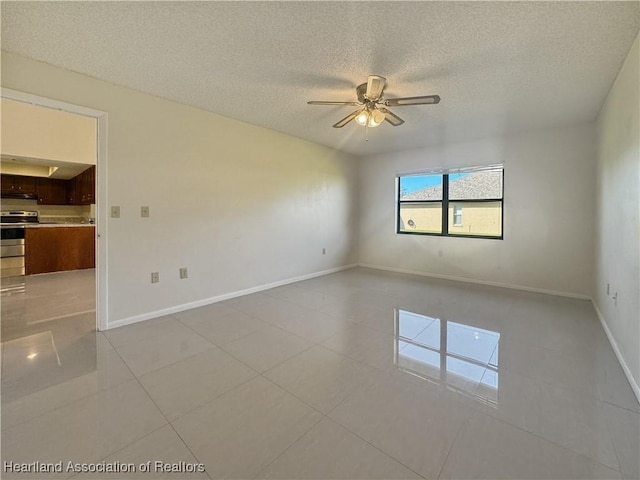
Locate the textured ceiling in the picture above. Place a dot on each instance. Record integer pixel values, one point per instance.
(498, 66)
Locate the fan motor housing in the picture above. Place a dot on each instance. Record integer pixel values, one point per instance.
(360, 91)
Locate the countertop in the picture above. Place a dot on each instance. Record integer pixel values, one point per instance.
(55, 225)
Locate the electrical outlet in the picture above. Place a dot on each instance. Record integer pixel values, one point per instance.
(324, 251)
(144, 212)
(184, 273)
(155, 277)
(115, 212)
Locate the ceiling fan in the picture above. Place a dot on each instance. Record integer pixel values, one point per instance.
(372, 111)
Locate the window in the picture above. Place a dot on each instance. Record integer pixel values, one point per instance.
(433, 204)
(457, 215)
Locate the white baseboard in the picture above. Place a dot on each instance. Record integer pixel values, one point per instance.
(478, 282)
(220, 298)
(625, 368)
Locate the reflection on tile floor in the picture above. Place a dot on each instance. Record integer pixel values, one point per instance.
(457, 355)
(358, 374)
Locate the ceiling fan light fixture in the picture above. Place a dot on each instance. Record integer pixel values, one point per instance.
(363, 117)
(370, 117)
(372, 102)
(376, 117)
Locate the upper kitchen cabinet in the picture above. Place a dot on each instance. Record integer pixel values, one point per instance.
(18, 186)
(33, 131)
(81, 189)
(52, 191)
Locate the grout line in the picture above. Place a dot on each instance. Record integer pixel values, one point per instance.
(274, 366)
(453, 442)
(619, 406)
(102, 459)
(284, 389)
(189, 448)
(613, 445)
(556, 444)
(480, 408)
(156, 405)
(221, 347)
(544, 382)
(74, 401)
(322, 417)
(372, 445)
(207, 402)
(61, 317)
(186, 358)
(237, 387)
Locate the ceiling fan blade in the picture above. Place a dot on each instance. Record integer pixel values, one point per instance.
(314, 102)
(392, 118)
(426, 100)
(347, 119)
(375, 87)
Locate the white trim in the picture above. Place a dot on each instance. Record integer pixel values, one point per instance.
(625, 368)
(102, 307)
(102, 220)
(224, 296)
(49, 103)
(479, 282)
(441, 170)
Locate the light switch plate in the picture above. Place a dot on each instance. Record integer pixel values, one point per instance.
(144, 211)
(115, 212)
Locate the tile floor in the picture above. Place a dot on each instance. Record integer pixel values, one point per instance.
(359, 374)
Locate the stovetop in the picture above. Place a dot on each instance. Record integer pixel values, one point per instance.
(13, 217)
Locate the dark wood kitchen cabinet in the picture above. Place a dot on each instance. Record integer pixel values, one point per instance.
(18, 184)
(81, 189)
(72, 192)
(56, 249)
(52, 191)
(89, 189)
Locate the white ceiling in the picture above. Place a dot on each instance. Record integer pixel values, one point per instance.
(499, 66)
(14, 165)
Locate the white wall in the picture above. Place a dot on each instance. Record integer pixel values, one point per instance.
(239, 205)
(548, 212)
(617, 246)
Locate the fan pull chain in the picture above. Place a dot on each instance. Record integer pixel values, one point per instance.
(366, 132)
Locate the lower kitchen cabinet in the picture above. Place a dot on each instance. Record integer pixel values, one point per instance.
(56, 249)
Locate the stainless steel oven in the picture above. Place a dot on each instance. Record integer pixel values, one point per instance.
(12, 249)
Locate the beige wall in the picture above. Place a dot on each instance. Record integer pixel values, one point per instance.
(33, 131)
(481, 218)
(239, 205)
(426, 217)
(617, 243)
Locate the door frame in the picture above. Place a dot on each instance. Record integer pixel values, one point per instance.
(102, 290)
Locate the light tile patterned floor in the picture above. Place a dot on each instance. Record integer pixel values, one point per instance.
(358, 374)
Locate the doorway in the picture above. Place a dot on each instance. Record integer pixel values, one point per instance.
(98, 213)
